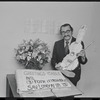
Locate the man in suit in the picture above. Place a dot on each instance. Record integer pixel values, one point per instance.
(58, 54)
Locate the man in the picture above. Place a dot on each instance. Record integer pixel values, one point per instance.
(66, 31)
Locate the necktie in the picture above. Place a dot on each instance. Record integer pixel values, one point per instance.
(66, 48)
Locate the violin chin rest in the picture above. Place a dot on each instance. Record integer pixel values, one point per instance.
(68, 73)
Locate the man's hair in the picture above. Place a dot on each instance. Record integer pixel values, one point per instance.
(64, 25)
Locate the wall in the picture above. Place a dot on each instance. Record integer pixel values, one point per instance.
(90, 82)
(13, 16)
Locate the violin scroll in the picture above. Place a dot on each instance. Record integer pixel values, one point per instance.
(81, 33)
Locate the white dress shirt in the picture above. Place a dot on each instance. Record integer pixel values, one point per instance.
(68, 42)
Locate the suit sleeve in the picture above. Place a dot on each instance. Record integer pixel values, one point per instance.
(54, 57)
(80, 58)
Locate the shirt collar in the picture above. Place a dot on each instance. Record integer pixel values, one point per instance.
(68, 42)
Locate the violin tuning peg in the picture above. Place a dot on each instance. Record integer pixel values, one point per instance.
(83, 27)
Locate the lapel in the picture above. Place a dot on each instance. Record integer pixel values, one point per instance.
(73, 39)
(61, 48)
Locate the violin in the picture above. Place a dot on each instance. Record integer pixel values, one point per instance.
(70, 61)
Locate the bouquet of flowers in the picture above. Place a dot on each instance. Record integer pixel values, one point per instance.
(33, 54)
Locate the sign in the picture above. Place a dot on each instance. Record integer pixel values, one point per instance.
(28, 80)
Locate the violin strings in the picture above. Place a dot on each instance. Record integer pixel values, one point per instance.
(78, 56)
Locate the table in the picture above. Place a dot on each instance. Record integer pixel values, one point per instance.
(11, 87)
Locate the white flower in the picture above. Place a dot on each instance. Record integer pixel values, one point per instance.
(23, 57)
(34, 54)
(39, 57)
(18, 57)
(28, 58)
(31, 42)
(42, 51)
(29, 54)
(41, 61)
(39, 47)
(20, 51)
(27, 48)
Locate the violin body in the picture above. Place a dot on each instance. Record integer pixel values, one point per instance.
(70, 61)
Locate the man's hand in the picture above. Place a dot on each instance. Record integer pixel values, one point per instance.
(65, 72)
(58, 66)
(81, 53)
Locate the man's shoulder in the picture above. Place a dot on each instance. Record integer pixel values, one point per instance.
(59, 41)
(73, 39)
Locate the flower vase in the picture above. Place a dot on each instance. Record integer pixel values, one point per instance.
(31, 65)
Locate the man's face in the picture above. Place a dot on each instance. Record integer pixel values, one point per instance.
(66, 33)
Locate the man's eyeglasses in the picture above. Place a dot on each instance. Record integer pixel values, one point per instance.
(68, 31)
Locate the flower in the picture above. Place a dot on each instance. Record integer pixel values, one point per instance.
(33, 54)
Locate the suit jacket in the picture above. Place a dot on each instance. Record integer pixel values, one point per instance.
(58, 55)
